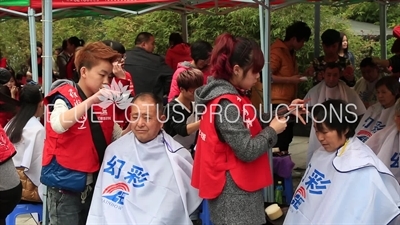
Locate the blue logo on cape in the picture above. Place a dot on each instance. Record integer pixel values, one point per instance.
(116, 193)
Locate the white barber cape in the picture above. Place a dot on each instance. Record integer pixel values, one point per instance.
(144, 183)
(374, 120)
(353, 188)
(385, 144)
(366, 90)
(321, 93)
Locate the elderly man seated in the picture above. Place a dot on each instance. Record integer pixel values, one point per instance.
(331, 87)
(145, 176)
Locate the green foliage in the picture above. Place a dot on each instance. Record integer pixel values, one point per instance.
(369, 12)
(244, 22)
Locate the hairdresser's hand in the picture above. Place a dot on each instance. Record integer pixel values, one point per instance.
(278, 124)
(348, 73)
(104, 96)
(295, 79)
(14, 91)
(118, 71)
(301, 108)
(376, 60)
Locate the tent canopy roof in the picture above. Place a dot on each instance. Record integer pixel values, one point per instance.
(124, 8)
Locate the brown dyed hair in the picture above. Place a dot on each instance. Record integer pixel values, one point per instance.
(89, 55)
(190, 78)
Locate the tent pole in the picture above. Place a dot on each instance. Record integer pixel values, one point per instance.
(383, 27)
(265, 20)
(184, 24)
(32, 37)
(317, 29)
(47, 20)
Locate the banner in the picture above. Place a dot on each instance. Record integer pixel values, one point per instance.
(82, 3)
(8, 3)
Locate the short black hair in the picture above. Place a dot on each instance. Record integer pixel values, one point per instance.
(175, 38)
(142, 37)
(154, 98)
(333, 65)
(116, 46)
(300, 30)
(330, 37)
(335, 115)
(200, 50)
(391, 83)
(367, 62)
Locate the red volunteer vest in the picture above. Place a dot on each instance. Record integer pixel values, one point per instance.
(7, 149)
(213, 157)
(74, 149)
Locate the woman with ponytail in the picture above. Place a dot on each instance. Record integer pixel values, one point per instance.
(27, 135)
(231, 165)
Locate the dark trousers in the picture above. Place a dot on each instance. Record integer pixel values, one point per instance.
(8, 200)
(286, 137)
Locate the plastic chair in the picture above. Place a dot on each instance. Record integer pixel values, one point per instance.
(288, 189)
(205, 213)
(21, 209)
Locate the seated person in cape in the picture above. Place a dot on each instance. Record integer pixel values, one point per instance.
(331, 87)
(385, 143)
(145, 176)
(345, 182)
(365, 86)
(380, 115)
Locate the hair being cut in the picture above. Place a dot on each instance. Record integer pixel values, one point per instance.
(150, 98)
(230, 51)
(391, 83)
(89, 55)
(335, 115)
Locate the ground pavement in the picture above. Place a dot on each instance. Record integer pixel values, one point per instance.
(298, 150)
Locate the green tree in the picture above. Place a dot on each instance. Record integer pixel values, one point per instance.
(244, 22)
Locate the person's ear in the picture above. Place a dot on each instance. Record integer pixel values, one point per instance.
(83, 72)
(237, 70)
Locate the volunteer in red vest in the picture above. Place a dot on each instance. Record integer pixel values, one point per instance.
(80, 125)
(231, 165)
(10, 185)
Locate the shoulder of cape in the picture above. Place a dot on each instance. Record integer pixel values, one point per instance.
(358, 156)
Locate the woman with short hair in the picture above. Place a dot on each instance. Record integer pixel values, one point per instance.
(345, 182)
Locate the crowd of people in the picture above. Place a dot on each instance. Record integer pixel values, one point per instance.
(133, 137)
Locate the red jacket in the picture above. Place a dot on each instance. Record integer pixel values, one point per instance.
(74, 149)
(3, 63)
(213, 157)
(70, 68)
(7, 149)
(5, 117)
(178, 53)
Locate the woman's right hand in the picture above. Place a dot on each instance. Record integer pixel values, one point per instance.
(278, 124)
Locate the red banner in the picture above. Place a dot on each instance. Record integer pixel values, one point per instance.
(37, 4)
